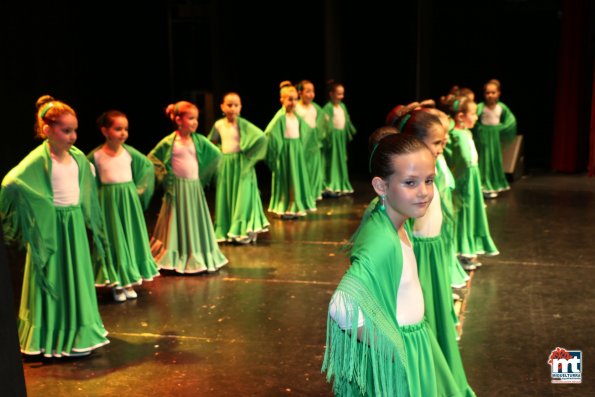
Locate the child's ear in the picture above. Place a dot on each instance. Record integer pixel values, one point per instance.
(104, 131)
(379, 186)
(45, 129)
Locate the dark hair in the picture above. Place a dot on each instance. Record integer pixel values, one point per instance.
(107, 118)
(379, 134)
(417, 122)
(390, 146)
(331, 85)
(300, 86)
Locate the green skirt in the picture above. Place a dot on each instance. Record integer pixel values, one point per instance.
(428, 373)
(316, 174)
(184, 239)
(65, 322)
(458, 275)
(489, 151)
(336, 174)
(472, 231)
(290, 184)
(129, 241)
(238, 209)
(434, 276)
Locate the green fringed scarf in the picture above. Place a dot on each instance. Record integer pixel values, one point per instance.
(28, 213)
(377, 367)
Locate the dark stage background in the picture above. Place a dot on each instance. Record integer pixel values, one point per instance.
(138, 57)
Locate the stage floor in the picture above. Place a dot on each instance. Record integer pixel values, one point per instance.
(257, 327)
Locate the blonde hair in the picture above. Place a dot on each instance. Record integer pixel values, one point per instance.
(49, 111)
(285, 87)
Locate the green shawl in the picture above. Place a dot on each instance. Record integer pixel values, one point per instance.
(253, 143)
(370, 285)
(507, 121)
(328, 117)
(276, 139)
(29, 215)
(143, 173)
(207, 155)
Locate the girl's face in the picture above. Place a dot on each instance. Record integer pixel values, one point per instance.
(231, 107)
(409, 190)
(117, 133)
(308, 93)
(188, 122)
(289, 100)
(491, 94)
(338, 94)
(434, 139)
(470, 117)
(62, 133)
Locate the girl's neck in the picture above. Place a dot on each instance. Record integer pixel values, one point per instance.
(112, 149)
(232, 121)
(184, 135)
(59, 155)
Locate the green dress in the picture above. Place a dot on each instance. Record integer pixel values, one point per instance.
(314, 154)
(445, 183)
(239, 214)
(395, 360)
(336, 173)
(290, 188)
(488, 139)
(58, 313)
(472, 231)
(123, 206)
(184, 239)
(432, 247)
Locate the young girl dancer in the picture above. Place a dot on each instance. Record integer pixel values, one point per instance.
(45, 202)
(126, 180)
(184, 239)
(239, 215)
(496, 124)
(472, 229)
(339, 132)
(377, 340)
(432, 244)
(312, 114)
(289, 139)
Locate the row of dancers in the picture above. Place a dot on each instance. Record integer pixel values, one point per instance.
(57, 193)
(391, 326)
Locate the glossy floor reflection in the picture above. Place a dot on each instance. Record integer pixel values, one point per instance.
(257, 327)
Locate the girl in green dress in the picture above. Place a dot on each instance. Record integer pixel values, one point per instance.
(312, 114)
(47, 204)
(472, 231)
(125, 180)
(496, 124)
(339, 132)
(289, 139)
(378, 342)
(239, 215)
(184, 239)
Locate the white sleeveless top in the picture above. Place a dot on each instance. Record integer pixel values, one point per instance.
(292, 127)
(307, 113)
(65, 183)
(183, 160)
(113, 169)
(430, 224)
(338, 117)
(410, 299)
(230, 137)
(491, 116)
